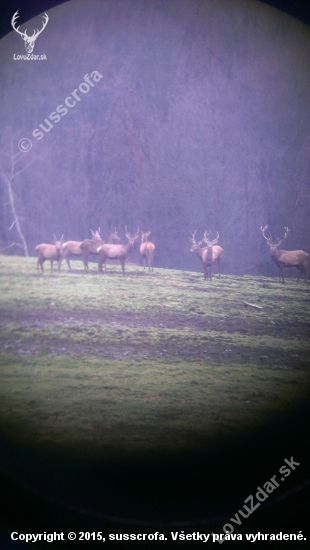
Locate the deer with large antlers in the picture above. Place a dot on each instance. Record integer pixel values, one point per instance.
(210, 255)
(214, 253)
(29, 40)
(147, 251)
(90, 246)
(286, 258)
(52, 252)
(116, 251)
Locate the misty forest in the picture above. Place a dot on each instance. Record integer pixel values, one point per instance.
(187, 121)
(199, 120)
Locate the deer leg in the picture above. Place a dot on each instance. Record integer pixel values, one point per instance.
(301, 271)
(123, 266)
(85, 262)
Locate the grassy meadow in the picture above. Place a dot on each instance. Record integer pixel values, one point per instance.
(147, 363)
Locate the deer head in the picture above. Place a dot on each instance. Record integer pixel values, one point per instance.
(29, 40)
(192, 240)
(273, 245)
(131, 238)
(114, 238)
(96, 235)
(58, 242)
(208, 241)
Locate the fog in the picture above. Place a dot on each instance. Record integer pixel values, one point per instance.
(169, 116)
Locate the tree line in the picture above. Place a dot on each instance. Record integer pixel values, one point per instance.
(200, 122)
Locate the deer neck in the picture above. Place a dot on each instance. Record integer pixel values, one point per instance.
(198, 252)
(129, 246)
(275, 253)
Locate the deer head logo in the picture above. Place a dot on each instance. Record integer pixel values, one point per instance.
(29, 40)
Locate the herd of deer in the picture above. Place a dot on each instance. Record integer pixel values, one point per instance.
(210, 255)
(105, 249)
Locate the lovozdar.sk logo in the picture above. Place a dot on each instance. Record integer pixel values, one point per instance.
(29, 40)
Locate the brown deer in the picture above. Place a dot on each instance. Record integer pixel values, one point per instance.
(52, 252)
(70, 248)
(209, 255)
(116, 251)
(147, 251)
(286, 258)
(214, 253)
(90, 246)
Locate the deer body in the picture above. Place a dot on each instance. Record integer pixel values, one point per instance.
(70, 248)
(52, 252)
(286, 258)
(147, 251)
(210, 255)
(116, 251)
(90, 246)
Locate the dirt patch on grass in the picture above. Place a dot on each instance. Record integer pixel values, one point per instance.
(137, 336)
(193, 319)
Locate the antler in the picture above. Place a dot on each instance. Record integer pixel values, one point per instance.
(37, 32)
(193, 240)
(207, 241)
(96, 235)
(128, 234)
(263, 229)
(13, 21)
(192, 237)
(269, 240)
(24, 35)
(61, 238)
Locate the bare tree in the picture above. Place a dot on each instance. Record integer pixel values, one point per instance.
(8, 178)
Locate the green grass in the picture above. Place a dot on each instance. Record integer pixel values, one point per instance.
(149, 362)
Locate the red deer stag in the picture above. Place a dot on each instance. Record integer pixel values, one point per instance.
(209, 255)
(147, 251)
(116, 251)
(200, 252)
(90, 246)
(214, 253)
(52, 252)
(286, 258)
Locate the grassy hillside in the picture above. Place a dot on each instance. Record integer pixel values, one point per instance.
(161, 361)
